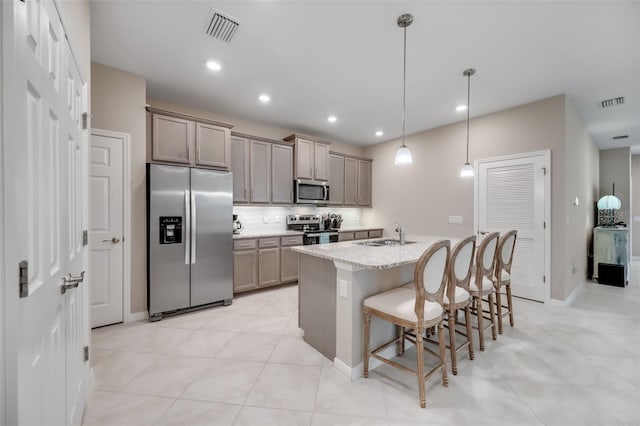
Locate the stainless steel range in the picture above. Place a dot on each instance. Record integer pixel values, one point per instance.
(311, 226)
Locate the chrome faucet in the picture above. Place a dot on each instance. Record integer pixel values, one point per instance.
(400, 230)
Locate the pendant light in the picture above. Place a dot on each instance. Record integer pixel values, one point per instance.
(403, 155)
(467, 169)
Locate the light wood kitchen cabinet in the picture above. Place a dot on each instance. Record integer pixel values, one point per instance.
(213, 146)
(185, 139)
(311, 157)
(345, 236)
(375, 233)
(350, 181)
(172, 139)
(240, 168)
(245, 266)
(336, 179)
(364, 183)
(281, 174)
(288, 264)
(268, 266)
(260, 172)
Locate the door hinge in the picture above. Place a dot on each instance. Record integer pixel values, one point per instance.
(544, 278)
(85, 237)
(85, 120)
(544, 225)
(544, 171)
(23, 280)
(86, 353)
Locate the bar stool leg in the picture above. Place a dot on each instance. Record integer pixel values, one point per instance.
(499, 309)
(420, 372)
(443, 355)
(479, 314)
(467, 320)
(510, 304)
(452, 340)
(367, 332)
(400, 342)
(492, 314)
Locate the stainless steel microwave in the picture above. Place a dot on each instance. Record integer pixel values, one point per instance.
(310, 191)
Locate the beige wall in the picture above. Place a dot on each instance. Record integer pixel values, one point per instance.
(78, 20)
(118, 104)
(422, 196)
(635, 204)
(582, 175)
(248, 127)
(615, 167)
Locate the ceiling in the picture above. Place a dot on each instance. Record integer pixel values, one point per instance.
(317, 58)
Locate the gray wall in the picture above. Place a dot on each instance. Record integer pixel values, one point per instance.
(422, 196)
(615, 167)
(635, 204)
(118, 102)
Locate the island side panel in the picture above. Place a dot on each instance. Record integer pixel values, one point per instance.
(362, 283)
(317, 303)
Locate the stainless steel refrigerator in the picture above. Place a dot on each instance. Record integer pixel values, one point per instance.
(189, 238)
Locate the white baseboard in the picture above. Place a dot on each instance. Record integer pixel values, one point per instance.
(356, 372)
(136, 316)
(566, 302)
(635, 257)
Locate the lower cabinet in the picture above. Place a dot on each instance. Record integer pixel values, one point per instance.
(269, 266)
(264, 262)
(245, 272)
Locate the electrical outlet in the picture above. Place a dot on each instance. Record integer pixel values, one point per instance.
(455, 219)
(276, 219)
(344, 292)
(265, 219)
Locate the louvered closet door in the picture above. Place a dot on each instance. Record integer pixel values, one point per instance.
(511, 195)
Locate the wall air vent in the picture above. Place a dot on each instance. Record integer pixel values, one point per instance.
(221, 26)
(608, 103)
(617, 138)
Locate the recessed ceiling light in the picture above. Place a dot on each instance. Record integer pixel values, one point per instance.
(214, 66)
(379, 133)
(264, 98)
(332, 119)
(461, 108)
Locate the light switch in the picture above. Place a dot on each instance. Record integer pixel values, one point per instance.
(344, 292)
(276, 219)
(455, 219)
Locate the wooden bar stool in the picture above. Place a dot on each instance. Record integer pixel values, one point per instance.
(502, 275)
(460, 270)
(481, 285)
(416, 310)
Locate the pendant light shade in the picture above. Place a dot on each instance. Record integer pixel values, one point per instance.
(609, 202)
(467, 169)
(403, 155)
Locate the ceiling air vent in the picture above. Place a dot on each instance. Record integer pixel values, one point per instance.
(221, 26)
(608, 103)
(617, 138)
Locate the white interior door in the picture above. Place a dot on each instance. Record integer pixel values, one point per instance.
(106, 229)
(511, 195)
(46, 373)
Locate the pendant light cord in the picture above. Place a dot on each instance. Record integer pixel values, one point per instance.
(468, 108)
(404, 84)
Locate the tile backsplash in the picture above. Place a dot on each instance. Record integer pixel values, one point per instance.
(273, 218)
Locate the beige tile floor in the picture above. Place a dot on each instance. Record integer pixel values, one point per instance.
(246, 364)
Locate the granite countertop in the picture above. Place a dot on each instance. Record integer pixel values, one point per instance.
(371, 257)
(261, 234)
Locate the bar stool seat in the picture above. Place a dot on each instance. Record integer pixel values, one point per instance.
(487, 286)
(400, 303)
(461, 295)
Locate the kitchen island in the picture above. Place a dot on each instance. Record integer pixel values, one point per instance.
(333, 281)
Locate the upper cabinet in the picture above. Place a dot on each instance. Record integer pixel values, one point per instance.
(172, 139)
(336, 179)
(364, 183)
(213, 146)
(311, 157)
(281, 174)
(350, 180)
(262, 170)
(183, 139)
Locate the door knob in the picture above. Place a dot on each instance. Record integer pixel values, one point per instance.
(483, 232)
(69, 282)
(114, 240)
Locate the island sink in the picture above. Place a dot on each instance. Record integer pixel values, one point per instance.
(382, 243)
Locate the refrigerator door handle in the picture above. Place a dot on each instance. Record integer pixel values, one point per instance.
(194, 228)
(187, 233)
